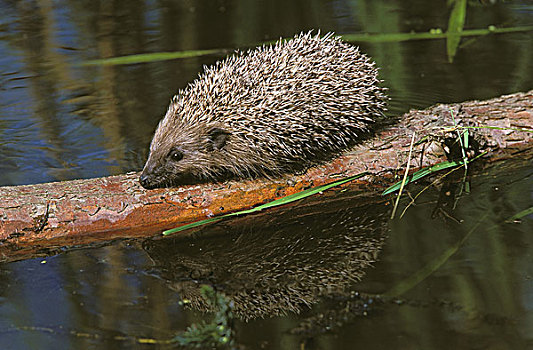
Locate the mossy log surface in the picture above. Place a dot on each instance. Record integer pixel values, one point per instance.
(37, 219)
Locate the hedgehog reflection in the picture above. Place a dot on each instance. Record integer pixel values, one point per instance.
(278, 262)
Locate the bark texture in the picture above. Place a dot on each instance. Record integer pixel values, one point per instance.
(36, 219)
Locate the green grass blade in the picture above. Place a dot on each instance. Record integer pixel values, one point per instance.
(191, 225)
(520, 215)
(455, 27)
(277, 202)
(420, 174)
(307, 193)
(434, 34)
(150, 57)
(429, 170)
(386, 37)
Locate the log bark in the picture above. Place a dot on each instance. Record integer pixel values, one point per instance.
(38, 219)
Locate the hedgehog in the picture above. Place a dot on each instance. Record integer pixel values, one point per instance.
(275, 110)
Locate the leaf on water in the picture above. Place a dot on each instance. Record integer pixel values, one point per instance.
(455, 27)
(277, 202)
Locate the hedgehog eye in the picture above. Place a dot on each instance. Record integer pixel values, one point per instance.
(175, 155)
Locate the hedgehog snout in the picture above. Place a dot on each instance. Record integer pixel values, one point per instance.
(148, 176)
(146, 181)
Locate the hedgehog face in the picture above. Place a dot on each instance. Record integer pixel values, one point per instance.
(180, 156)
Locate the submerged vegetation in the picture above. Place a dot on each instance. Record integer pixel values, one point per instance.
(218, 332)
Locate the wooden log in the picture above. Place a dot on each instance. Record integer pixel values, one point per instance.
(38, 219)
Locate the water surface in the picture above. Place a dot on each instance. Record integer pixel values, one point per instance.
(315, 275)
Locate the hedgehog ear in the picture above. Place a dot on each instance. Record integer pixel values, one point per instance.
(217, 138)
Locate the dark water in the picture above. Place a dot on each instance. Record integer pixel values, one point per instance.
(306, 276)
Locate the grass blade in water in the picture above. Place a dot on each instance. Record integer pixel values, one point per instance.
(149, 57)
(386, 37)
(399, 37)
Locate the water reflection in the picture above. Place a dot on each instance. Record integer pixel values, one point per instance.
(271, 265)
